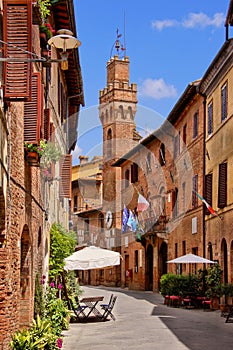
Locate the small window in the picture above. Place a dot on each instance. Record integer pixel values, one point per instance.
(134, 173)
(136, 260)
(176, 145)
(224, 102)
(148, 162)
(210, 118)
(75, 203)
(185, 133)
(127, 178)
(195, 125)
(109, 143)
(162, 154)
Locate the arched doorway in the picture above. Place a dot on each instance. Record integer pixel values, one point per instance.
(224, 263)
(25, 308)
(162, 261)
(149, 268)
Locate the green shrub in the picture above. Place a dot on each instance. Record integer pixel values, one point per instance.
(39, 336)
(56, 310)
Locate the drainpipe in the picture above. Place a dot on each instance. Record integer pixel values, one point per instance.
(203, 177)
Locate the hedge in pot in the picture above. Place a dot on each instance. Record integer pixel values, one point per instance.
(215, 288)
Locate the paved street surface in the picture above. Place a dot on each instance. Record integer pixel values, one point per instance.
(144, 322)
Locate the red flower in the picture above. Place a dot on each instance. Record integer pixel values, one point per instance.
(59, 343)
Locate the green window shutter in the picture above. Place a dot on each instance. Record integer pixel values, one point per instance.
(17, 28)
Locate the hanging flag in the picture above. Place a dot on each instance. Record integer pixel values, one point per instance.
(125, 217)
(211, 210)
(132, 222)
(143, 204)
(139, 231)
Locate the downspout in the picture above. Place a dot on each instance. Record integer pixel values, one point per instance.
(203, 177)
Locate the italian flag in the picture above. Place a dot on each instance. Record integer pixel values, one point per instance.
(143, 204)
(211, 210)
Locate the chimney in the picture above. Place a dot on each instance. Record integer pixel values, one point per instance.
(83, 160)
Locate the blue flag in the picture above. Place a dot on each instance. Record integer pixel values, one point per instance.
(125, 216)
(132, 223)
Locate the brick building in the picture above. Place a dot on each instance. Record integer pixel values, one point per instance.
(37, 100)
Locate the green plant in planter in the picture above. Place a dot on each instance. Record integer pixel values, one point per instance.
(38, 148)
(215, 288)
(51, 154)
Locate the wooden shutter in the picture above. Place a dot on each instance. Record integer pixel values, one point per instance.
(17, 28)
(47, 124)
(32, 112)
(195, 190)
(222, 185)
(208, 191)
(65, 175)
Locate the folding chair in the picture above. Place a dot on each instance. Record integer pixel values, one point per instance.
(79, 310)
(108, 308)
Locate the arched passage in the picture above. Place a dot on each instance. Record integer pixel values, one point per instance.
(224, 263)
(25, 279)
(149, 268)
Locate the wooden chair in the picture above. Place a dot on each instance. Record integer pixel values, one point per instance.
(108, 308)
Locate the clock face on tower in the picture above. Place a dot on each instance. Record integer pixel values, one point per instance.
(108, 219)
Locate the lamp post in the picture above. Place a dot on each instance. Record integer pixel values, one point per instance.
(64, 41)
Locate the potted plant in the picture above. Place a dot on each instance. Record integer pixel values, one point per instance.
(51, 154)
(34, 151)
(215, 288)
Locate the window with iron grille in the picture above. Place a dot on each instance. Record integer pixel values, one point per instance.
(210, 118)
(224, 102)
(195, 125)
(194, 192)
(222, 185)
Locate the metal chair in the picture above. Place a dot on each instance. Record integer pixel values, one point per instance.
(108, 308)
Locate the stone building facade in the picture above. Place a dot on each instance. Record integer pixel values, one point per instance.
(33, 192)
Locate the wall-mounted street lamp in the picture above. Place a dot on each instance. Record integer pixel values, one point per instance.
(63, 41)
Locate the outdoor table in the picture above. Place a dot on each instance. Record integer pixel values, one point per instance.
(91, 303)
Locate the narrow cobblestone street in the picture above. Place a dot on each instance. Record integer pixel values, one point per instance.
(144, 322)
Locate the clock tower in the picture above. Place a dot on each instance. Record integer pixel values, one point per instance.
(117, 109)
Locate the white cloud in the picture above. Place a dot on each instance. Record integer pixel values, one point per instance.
(202, 20)
(75, 155)
(157, 88)
(160, 25)
(193, 20)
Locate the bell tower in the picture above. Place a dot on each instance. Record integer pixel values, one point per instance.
(117, 109)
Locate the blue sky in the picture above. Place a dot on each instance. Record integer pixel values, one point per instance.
(170, 43)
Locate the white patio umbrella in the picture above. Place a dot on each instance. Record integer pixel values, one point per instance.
(92, 258)
(191, 259)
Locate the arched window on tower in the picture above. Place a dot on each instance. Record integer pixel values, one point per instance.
(122, 112)
(130, 112)
(106, 113)
(111, 113)
(109, 143)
